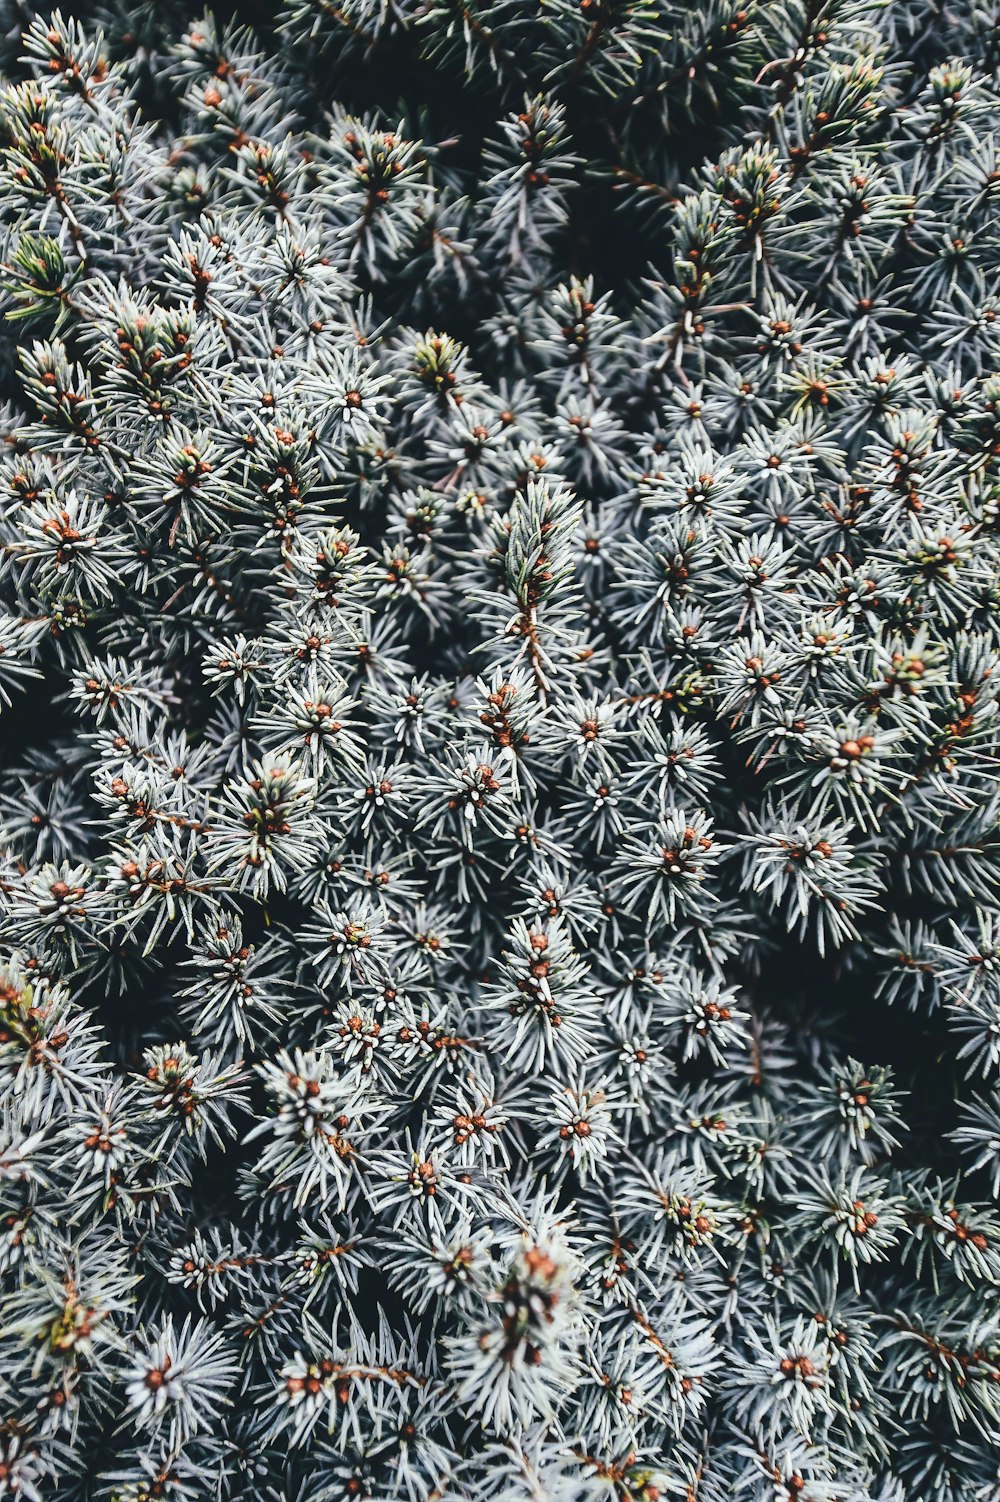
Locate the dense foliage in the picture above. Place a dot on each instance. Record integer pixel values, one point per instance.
(499, 829)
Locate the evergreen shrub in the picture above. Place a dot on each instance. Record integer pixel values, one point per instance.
(499, 820)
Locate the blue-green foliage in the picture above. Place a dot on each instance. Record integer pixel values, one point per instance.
(499, 830)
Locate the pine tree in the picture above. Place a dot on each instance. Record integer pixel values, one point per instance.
(499, 832)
